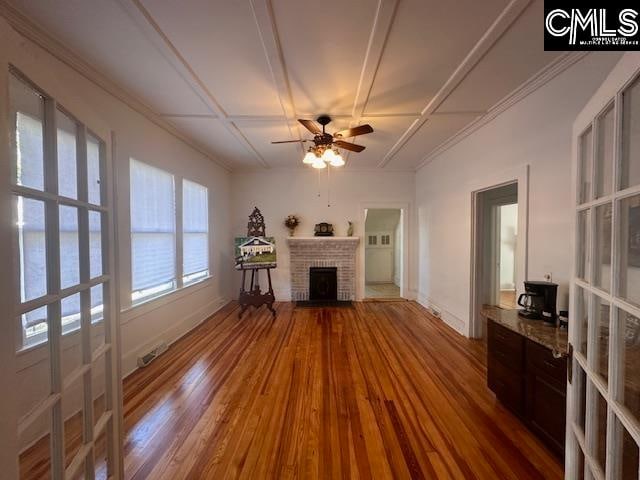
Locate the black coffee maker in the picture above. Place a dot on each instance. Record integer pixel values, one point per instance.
(539, 301)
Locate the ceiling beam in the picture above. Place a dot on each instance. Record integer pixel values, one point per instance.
(268, 31)
(508, 16)
(145, 21)
(382, 22)
(35, 33)
(385, 14)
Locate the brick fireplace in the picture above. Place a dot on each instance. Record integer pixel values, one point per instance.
(308, 252)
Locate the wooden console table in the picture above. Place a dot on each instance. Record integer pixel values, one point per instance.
(253, 296)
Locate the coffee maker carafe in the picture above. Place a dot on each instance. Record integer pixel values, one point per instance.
(539, 301)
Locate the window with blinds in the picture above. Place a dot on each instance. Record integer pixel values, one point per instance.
(195, 231)
(153, 231)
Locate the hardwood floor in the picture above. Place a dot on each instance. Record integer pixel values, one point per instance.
(381, 390)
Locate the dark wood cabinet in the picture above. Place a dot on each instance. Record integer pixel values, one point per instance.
(529, 381)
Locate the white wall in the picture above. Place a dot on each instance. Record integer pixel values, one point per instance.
(535, 132)
(278, 193)
(397, 253)
(137, 137)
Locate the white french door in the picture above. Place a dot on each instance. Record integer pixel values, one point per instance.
(67, 379)
(603, 411)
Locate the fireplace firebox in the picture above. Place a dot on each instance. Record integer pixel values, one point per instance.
(323, 284)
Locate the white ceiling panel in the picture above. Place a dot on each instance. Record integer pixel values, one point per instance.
(432, 133)
(219, 39)
(262, 132)
(428, 40)
(515, 58)
(217, 47)
(386, 131)
(104, 35)
(324, 45)
(211, 134)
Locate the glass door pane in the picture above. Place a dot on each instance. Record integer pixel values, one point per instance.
(604, 157)
(629, 248)
(600, 353)
(586, 162)
(582, 245)
(630, 166)
(630, 327)
(603, 247)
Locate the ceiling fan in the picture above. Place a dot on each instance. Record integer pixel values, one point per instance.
(324, 150)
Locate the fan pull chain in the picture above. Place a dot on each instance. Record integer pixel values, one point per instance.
(328, 186)
(319, 186)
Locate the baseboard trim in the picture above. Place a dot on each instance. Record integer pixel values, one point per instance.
(172, 335)
(443, 314)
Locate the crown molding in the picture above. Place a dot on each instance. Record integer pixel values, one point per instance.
(335, 171)
(544, 76)
(36, 34)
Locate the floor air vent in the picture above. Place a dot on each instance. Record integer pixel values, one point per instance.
(146, 359)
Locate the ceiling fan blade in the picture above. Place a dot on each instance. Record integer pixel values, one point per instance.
(349, 146)
(291, 141)
(354, 132)
(311, 126)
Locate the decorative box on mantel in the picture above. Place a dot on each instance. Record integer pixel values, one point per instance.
(307, 252)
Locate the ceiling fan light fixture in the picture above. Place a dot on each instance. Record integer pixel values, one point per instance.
(310, 157)
(328, 155)
(337, 160)
(319, 164)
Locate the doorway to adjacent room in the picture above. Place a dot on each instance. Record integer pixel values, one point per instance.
(496, 248)
(383, 253)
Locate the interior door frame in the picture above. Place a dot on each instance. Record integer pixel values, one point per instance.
(622, 76)
(520, 176)
(9, 441)
(405, 212)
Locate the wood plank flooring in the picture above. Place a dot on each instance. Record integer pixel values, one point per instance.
(381, 390)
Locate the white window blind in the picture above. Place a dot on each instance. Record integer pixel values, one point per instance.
(153, 234)
(195, 228)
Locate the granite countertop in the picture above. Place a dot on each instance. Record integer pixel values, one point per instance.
(553, 338)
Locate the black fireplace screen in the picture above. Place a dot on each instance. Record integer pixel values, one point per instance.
(323, 283)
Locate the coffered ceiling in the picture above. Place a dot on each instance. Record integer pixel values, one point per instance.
(232, 75)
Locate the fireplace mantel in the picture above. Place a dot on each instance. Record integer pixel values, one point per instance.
(321, 239)
(307, 252)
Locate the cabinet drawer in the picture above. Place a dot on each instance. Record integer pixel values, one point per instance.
(546, 410)
(541, 360)
(507, 385)
(505, 346)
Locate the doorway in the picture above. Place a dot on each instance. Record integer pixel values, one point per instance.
(495, 246)
(507, 225)
(383, 253)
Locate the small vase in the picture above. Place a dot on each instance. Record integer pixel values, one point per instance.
(292, 231)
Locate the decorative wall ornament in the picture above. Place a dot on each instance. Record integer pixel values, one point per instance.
(350, 229)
